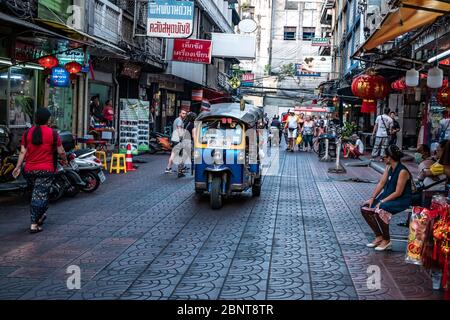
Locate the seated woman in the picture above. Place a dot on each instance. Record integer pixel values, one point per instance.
(391, 195)
(354, 150)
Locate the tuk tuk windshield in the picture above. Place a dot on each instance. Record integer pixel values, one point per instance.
(220, 135)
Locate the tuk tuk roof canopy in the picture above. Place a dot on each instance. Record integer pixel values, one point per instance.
(250, 116)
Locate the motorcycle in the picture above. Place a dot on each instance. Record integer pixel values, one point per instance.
(159, 142)
(88, 167)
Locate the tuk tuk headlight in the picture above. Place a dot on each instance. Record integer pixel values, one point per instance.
(218, 156)
(241, 157)
(197, 155)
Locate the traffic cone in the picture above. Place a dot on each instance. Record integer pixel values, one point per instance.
(129, 159)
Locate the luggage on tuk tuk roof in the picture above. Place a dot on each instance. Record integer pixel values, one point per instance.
(250, 116)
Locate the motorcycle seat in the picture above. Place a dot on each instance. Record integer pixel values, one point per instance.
(82, 152)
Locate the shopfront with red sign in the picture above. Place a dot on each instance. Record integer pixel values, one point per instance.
(192, 50)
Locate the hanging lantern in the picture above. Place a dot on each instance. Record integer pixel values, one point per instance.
(435, 78)
(48, 62)
(335, 100)
(443, 96)
(370, 87)
(73, 67)
(412, 78)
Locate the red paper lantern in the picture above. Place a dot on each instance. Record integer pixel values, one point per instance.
(73, 67)
(48, 62)
(370, 87)
(443, 96)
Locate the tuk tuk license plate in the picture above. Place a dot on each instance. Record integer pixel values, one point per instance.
(74, 165)
(102, 177)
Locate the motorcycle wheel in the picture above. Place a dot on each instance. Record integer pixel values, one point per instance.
(216, 196)
(92, 181)
(56, 192)
(151, 150)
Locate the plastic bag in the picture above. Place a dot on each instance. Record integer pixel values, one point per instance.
(417, 235)
(299, 139)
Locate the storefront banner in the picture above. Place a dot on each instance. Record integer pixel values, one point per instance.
(247, 80)
(320, 42)
(60, 77)
(69, 56)
(170, 18)
(315, 64)
(300, 71)
(26, 52)
(192, 50)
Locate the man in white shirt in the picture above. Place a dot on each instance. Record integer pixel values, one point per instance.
(381, 131)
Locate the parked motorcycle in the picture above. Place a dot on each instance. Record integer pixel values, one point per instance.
(88, 167)
(159, 142)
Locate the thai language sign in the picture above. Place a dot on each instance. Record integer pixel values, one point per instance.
(60, 77)
(248, 79)
(170, 18)
(192, 50)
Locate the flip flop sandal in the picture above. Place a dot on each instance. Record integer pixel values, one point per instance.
(38, 229)
(41, 221)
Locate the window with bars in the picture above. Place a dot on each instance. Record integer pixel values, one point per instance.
(308, 33)
(291, 5)
(290, 33)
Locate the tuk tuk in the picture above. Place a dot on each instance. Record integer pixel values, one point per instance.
(227, 143)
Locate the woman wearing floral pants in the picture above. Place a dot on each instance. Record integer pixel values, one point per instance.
(39, 149)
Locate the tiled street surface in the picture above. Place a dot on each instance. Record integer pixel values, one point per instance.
(145, 235)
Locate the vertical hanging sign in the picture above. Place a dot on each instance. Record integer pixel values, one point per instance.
(170, 18)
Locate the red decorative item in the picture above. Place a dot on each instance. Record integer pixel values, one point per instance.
(443, 96)
(48, 62)
(314, 101)
(73, 67)
(370, 87)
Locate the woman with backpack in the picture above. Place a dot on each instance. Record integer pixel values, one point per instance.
(39, 148)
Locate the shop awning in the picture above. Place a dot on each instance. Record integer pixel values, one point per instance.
(216, 96)
(409, 15)
(31, 27)
(77, 34)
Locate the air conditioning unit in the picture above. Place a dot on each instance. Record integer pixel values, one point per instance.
(373, 17)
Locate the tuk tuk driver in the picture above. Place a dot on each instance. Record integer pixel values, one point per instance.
(177, 136)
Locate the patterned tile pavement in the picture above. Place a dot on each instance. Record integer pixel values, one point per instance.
(146, 236)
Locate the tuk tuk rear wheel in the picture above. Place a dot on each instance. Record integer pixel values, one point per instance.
(256, 188)
(216, 196)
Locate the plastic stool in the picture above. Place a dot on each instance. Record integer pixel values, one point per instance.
(101, 155)
(118, 166)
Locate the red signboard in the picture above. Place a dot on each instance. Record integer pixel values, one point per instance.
(192, 50)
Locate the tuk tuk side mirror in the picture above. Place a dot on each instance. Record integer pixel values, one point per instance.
(242, 104)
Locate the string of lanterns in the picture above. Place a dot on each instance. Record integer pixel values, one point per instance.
(49, 62)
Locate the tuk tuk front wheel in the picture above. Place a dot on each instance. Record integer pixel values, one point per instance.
(216, 193)
(256, 188)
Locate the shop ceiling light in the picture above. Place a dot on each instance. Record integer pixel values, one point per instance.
(5, 61)
(435, 78)
(440, 56)
(412, 78)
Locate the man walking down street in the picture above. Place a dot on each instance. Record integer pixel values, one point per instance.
(177, 134)
(395, 128)
(381, 131)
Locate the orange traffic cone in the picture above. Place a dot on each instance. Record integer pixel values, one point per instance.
(129, 159)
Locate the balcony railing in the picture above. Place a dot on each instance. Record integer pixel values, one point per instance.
(107, 20)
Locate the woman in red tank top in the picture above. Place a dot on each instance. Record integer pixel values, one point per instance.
(38, 149)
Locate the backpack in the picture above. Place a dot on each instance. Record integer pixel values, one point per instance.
(54, 145)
